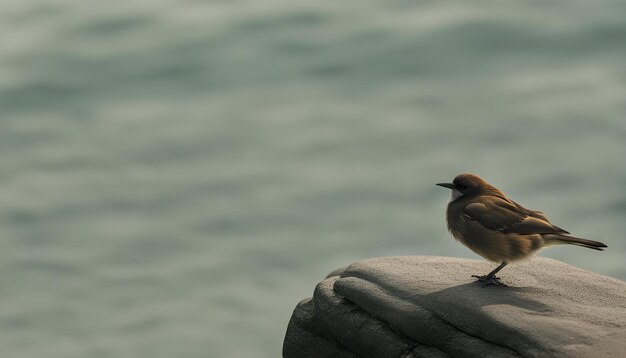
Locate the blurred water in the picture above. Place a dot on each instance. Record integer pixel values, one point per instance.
(175, 176)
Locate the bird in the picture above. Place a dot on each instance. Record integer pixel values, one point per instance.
(497, 228)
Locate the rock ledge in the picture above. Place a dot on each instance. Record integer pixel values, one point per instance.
(423, 306)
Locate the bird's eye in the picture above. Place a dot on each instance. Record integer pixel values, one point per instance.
(462, 187)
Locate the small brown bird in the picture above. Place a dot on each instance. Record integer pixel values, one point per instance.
(495, 227)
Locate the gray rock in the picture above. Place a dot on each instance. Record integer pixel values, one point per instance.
(424, 306)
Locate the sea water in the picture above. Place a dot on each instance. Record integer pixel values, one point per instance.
(176, 175)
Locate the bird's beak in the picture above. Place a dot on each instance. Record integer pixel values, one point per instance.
(447, 185)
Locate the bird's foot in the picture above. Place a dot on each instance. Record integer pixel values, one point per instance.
(487, 280)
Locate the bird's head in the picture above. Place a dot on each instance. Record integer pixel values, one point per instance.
(466, 184)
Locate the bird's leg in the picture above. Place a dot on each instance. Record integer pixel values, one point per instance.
(493, 273)
(491, 278)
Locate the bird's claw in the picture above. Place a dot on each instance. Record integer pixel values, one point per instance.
(487, 280)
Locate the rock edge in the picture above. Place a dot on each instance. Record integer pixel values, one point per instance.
(423, 306)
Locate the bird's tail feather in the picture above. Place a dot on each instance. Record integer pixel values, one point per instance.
(556, 239)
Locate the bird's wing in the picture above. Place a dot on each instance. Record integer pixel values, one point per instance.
(534, 213)
(541, 216)
(501, 215)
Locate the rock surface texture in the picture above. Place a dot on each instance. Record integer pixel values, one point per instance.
(422, 306)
